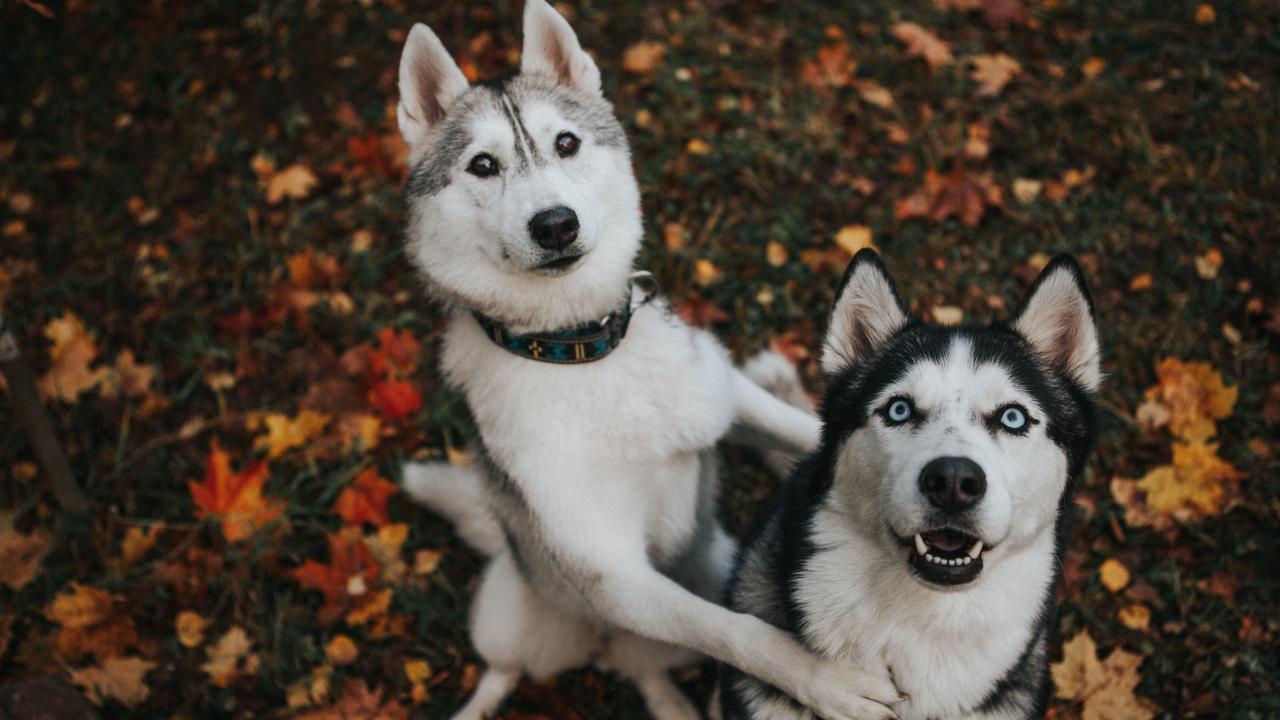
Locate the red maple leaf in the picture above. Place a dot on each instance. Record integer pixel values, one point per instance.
(366, 156)
(366, 500)
(700, 311)
(349, 575)
(395, 399)
(235, 499)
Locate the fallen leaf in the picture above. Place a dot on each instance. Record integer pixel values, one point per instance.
(948, 315)
(875, 94)
(700, 311)
(345, 579)
(698, 146)
(341, 650)
(70, 374)
(137, 542)
(20, 553)
(1114, 575)
(417, 672)
(705, 272)
(775, 253)
(93, 622)
(190, 627)
(1106, 687)
(854, 238)
(1136, 616)
(229, 658)
(1205, 14)
(832, 67)
(1093, 67)
(395, 399)
(993, 72)
(643, 57)
(1197, 484)
(365, 501)
(285, 433)
(296, 181)
(1026, 190)
(235, 500)
(1193, 397)
(1209, 263)
(425, 562)
(359, 703)
(960, 193)
(118, 678)
(922, 43)
(1140, 282)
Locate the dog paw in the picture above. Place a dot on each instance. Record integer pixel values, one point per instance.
(840, 692)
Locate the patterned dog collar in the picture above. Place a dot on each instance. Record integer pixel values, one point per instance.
(581, 344)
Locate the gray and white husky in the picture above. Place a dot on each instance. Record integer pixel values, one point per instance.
(922, 537)
(593, 490)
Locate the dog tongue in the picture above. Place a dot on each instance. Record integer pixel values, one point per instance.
(944, 540)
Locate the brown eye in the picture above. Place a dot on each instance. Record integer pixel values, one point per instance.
(483, 165)
(567, 144)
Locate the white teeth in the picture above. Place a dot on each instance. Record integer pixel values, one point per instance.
(967, 560)
(921, 548)
(974, 551)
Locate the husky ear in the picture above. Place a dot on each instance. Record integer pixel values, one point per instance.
(429, 81)
(867, 313)
(551, 48)
(1056, 317)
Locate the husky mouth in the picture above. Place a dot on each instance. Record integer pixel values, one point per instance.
(560, 264)
(946, 556)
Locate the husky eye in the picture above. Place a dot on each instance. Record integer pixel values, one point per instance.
(483, 165)
(567, 144)
(1014, 419)
(898, 411)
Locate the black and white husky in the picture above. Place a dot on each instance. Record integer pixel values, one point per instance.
(593, 491)
(921, 539)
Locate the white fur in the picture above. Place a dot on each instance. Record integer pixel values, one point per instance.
(1058, 323)
(429, 82)
(866, 314)
(605, 455)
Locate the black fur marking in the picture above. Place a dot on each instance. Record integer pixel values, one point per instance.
(433, 172)
(522, 157)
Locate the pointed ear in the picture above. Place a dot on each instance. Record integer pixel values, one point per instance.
(429, 81)
(1056, 317)
(867, 313)
(551, 48)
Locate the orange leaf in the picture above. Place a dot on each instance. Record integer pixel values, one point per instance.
(831, 68)
(993, 72)
(346, 578)
(236, 500)
(92, 623)
(20, 553)
(74, 350)
(1198, 483)
(366, 500)
(1192, 396)
(295, 181)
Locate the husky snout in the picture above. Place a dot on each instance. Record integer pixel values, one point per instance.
(953, 484)
(554, 229)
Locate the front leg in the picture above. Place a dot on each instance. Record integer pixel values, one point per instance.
(767, 421)
(634, 596)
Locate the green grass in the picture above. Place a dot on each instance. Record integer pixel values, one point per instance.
(170, 102)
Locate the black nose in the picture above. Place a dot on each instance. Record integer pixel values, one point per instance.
(953, 484)
(554, 229)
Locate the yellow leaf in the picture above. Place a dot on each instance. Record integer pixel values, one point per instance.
(1194, 396)
(190, 628)
(1114, 575)
(137, 542)
(874, 93)
(425, 562)
(705, 272)
(1197, 483)
(20, 554)
(697, 146)
(119, 679)
(1136, 616)
(341, 650)
(417, 671)
(993, 72)
(224, 664)
(949, 315)
(1093, 67)
(1025, 190)
(295, 181)
(852, 238)
(285, 433)
(776, 254)
(375, 604)
(643, 57)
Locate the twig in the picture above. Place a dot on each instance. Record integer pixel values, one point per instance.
(31, 415)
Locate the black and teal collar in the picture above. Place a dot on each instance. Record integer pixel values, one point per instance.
(573, 346)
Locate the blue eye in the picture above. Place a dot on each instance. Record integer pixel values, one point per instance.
(1013, 418)
(899, 411)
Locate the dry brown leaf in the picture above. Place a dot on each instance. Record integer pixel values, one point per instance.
(341, 650)
(93, 622)
(73, 352)
(854, 238)
(229, 658)
(922, 43)
(137, 542)
(1106, 687)
(832, 67)
(120, 679)
(20, 553)
(993, 72)
(296, 181)
(1026, 190)
(189, 627)
(874, 93)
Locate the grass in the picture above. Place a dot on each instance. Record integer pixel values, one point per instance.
(1164, 129)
